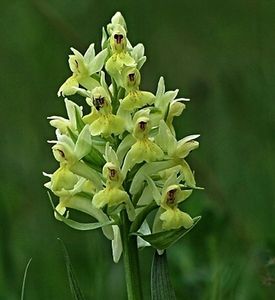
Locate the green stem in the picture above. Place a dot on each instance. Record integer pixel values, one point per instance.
(115, 103)
(131, 260)
(141, 216)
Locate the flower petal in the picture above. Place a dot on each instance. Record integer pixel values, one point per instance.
(110, 155)
(98, 61)
(124, 146)
(83, 143)
(88, 82)
(68, 87)
(89, 54)
(165, 139)
(154, 191)
(161, 87)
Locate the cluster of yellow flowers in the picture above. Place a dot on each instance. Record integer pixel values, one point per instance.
(124, 154)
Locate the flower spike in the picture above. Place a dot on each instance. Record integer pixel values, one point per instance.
(117, 152)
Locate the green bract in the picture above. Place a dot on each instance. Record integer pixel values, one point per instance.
(123, 155)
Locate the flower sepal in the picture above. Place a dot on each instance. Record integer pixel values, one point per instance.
(83, 67)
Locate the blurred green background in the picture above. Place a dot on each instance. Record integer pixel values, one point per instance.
(221, 54)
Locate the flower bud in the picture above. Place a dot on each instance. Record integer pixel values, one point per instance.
(186, 145)
(117, 19)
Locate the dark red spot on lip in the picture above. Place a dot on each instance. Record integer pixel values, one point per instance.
(142, 125)
(118, 38)
(131, 76)
(61, 153)
(99, 102)
(112, 173)
(171, 197)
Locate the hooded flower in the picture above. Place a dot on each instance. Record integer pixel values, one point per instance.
(113, 194)
(101, 119)
(70, 154)
(177, 150)
(120, 57)
(67, 185)
(75, 192)
(144, 148)
(173, 217)
(83, 67)
(117, 19)
(169, 215)
(135, 98)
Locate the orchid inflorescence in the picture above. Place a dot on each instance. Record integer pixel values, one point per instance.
(123, 156)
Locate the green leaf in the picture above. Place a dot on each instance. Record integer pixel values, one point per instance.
(74, 287)
(163, 240)
(72, 135)
(103, 82)
(79, 122)
(161, 286)
(148, 169)
(83, 226)
(77, 225)
(142, 216)
(94, 157)
(24, 279)
(121, 93)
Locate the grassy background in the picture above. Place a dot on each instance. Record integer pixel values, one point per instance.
(221, 55)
